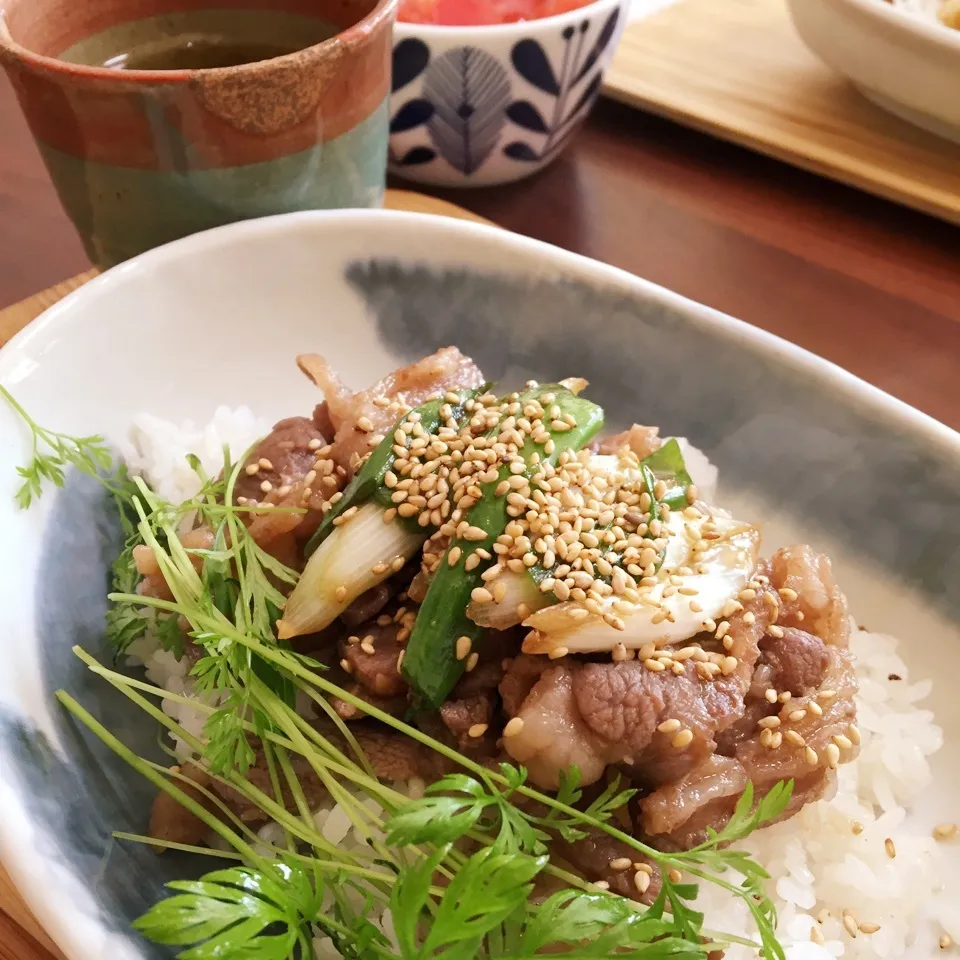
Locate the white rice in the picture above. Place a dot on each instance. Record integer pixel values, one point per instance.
(819, 866)
(158, 449)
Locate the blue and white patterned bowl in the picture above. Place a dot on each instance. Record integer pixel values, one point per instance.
(217, 319)
(475, 106)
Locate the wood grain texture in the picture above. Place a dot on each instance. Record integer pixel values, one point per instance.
(738, 69)
(21, 937)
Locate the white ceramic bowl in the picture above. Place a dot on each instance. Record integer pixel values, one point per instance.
(902, 63)
(217, 318)
(474, 106)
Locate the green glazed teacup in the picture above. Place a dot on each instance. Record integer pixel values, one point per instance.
(143, 156)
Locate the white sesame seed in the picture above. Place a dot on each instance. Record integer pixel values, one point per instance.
(641, 880)
(683, 739)
(669, 726)
(945, 831)
(513, 727)
(472, 661)
(478, 730)
(340, 594)
(619, 863)
(890, 847)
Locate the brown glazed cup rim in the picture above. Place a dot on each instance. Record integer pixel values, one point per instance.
(9, 48)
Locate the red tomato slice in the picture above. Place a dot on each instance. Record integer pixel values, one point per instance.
(464, 13)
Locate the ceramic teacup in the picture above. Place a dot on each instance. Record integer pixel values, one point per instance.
(143, 156)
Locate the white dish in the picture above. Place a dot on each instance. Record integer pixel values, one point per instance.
(216, 319)
(902, 63)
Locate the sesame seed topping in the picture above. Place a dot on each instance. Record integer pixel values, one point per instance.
(669, 726)
(856, 828)
(945, 941)
(346, 666)
(478, 730)
(683, 739)
(850, 924)
(810, 755)
(620, 863)
(472, 662)
(641, 880)
(890, 847)
(340, 594)
(514, 727)
(945, 831)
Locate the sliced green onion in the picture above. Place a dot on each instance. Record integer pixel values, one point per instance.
(369, 480)
(522, 591)
(361, 552)
(431, 665)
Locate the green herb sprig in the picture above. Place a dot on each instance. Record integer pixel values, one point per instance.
(455, 868)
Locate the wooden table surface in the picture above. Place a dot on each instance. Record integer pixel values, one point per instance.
(869, 285)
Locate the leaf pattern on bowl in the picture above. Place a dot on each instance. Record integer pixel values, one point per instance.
(410, 59)
(571, 95)
(469, 90)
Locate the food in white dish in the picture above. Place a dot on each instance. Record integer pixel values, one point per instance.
(433, 632)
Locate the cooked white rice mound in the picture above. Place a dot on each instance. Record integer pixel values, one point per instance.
(829, 861)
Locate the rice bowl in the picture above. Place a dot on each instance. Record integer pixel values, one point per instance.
(901, 762)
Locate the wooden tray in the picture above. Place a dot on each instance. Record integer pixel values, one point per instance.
(21, 937)
(738, 70)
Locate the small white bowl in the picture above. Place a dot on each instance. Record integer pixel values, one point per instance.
(475, 106)
(904, 64)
